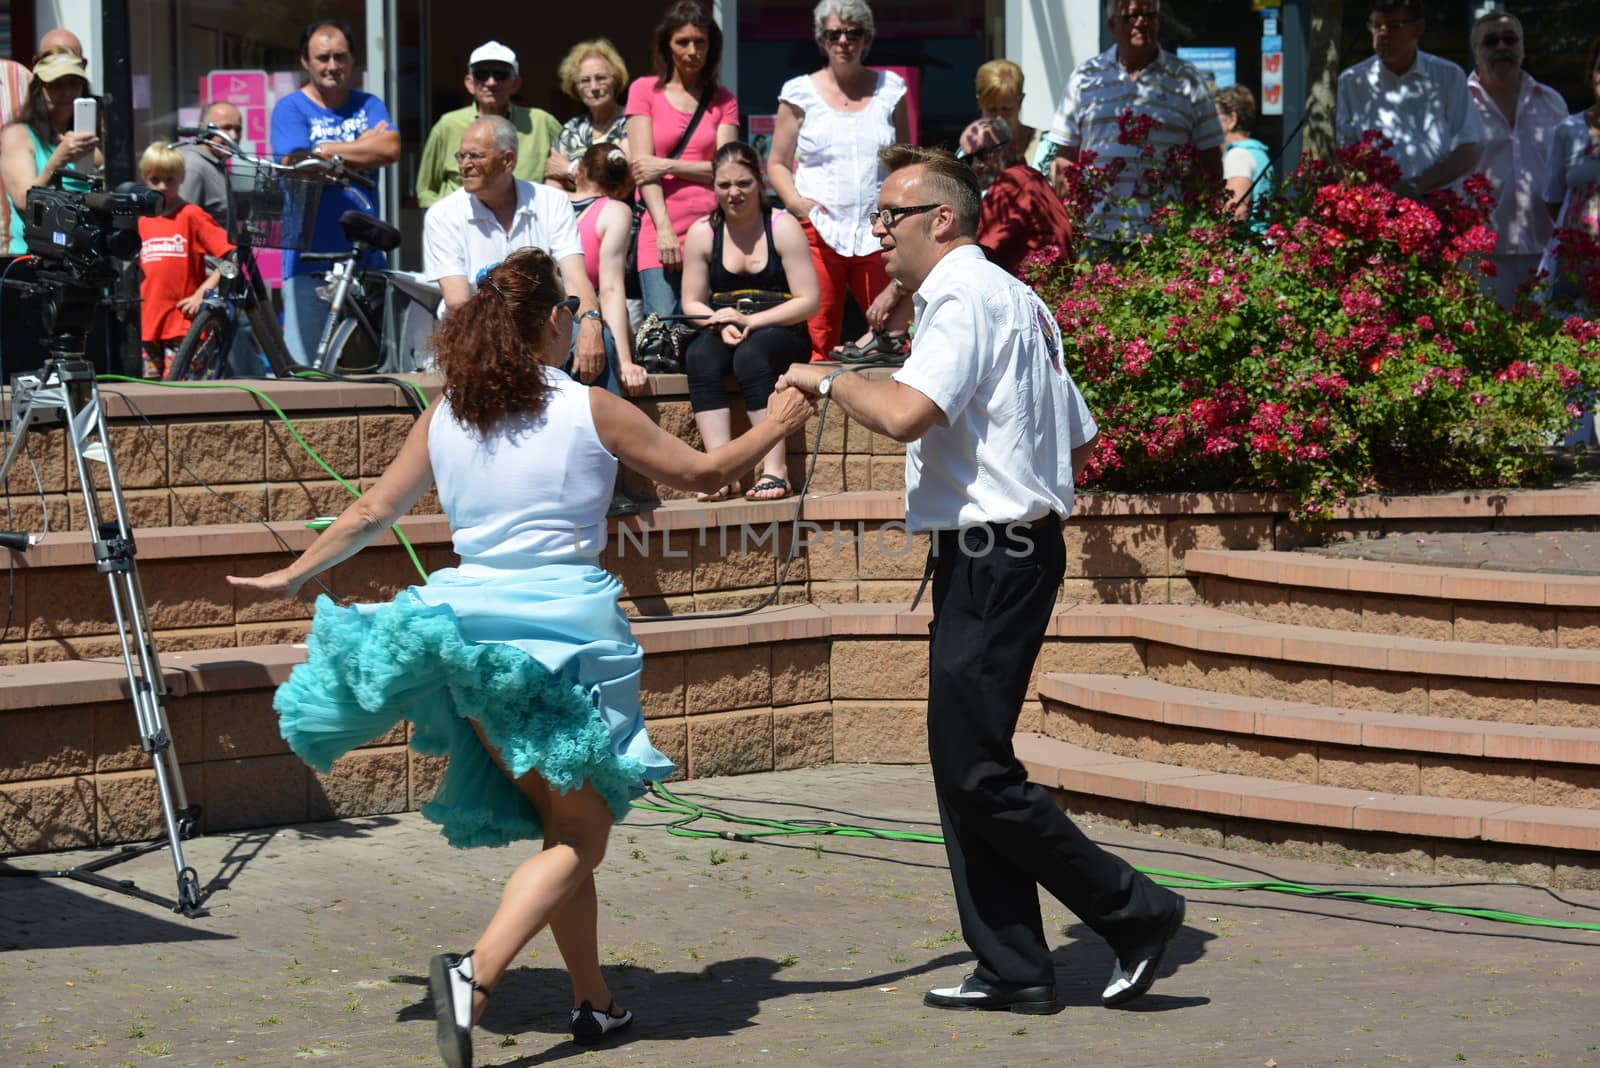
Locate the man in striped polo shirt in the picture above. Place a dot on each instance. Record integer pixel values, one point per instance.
(1111, 95)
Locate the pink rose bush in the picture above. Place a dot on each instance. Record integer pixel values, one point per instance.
(1348, 349)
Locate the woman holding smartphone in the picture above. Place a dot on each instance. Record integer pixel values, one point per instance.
(47, 140)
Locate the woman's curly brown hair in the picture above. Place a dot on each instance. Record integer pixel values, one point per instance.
(488, 349)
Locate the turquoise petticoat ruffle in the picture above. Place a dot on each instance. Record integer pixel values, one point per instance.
(547, 705)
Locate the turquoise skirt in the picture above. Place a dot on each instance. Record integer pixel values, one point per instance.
(542, 659)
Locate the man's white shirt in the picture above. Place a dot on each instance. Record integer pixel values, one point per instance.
(460, 236)
(1427, 111)
(988, 352)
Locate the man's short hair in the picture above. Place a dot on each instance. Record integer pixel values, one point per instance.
(205, 114)
(1486, 19)
(946, 177)
(1411, 8)
(320, 24)
(501, 129)
(1114, 7)
(1237, 100)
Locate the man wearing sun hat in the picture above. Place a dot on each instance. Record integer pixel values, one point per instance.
(492, 80)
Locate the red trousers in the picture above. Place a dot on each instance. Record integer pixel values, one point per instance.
(861, 276)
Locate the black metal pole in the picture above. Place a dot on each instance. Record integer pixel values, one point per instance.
(116, 40)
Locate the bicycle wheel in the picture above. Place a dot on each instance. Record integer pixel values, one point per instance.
(352, 350)
(203, 353)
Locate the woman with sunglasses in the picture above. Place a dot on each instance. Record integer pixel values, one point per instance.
(824, 167)
(518, 664)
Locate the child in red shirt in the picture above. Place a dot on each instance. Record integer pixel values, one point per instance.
(172, 255)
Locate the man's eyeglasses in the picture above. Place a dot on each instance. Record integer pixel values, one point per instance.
(1389, 27)
(471, 157)
(1495, 40)
(889, 216)
(569, 303)
(846, 33)
(1140, 16)
(488, 74)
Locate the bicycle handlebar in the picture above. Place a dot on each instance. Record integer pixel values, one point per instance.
(334, 170)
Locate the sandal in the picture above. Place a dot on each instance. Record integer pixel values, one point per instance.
(590, 1025)
(884, 349)
(766, 484)
(726, 493)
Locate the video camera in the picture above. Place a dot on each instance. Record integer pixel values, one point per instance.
(83, 231)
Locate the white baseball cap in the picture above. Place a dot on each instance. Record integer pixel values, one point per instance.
(493, 52)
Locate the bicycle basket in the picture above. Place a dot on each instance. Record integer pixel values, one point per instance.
(276, 208)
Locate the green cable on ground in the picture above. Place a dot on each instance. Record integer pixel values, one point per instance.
(688, 812)
(282, 416)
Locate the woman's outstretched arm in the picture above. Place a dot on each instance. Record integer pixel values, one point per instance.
(403, 483)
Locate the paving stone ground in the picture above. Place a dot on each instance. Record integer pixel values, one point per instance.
(773, 953)
(1571, 552)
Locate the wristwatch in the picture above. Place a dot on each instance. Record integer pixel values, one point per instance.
(591, 314)
(825, 386)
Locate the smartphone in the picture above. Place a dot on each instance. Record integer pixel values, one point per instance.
(86, 115)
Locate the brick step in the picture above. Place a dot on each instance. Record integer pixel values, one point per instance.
(1179, 792)
(1210, 649)
(1443, 603)
(1290, 741)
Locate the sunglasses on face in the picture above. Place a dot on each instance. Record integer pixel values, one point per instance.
(848, 33)
(1495, 40)
(569, 303)
(489, 74)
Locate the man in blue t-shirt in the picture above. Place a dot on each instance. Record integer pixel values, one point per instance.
(327, 118)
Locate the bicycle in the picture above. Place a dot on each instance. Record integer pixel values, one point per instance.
(274, 205)
(269, 206)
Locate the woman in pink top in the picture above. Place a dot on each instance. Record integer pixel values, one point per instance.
(676, 191)
(603, 190)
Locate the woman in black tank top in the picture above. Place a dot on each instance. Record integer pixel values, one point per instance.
(747, 272)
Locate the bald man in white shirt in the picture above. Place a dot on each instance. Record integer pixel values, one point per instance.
(1519, 119)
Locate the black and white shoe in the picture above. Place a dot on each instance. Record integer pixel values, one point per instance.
(590, 1025)
(975, 993)
(451, 983)
(1132, 976)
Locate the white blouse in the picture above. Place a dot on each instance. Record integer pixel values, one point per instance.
(836, 159)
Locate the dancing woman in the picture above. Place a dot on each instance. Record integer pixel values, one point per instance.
(518, 664)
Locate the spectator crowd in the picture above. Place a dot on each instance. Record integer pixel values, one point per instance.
(615, 192)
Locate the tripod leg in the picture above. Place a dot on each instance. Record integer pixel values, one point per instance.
(114, 557)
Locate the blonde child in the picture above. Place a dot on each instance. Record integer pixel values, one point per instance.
(172, 255)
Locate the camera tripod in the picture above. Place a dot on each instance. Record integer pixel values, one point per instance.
(64, 393)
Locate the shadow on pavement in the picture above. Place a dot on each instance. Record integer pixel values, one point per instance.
(1083, 965)
(49, 913)
(720, 999)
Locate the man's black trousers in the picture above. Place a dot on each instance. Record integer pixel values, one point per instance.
(994, 592)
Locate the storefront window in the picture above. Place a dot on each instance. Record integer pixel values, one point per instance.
(176, 43)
